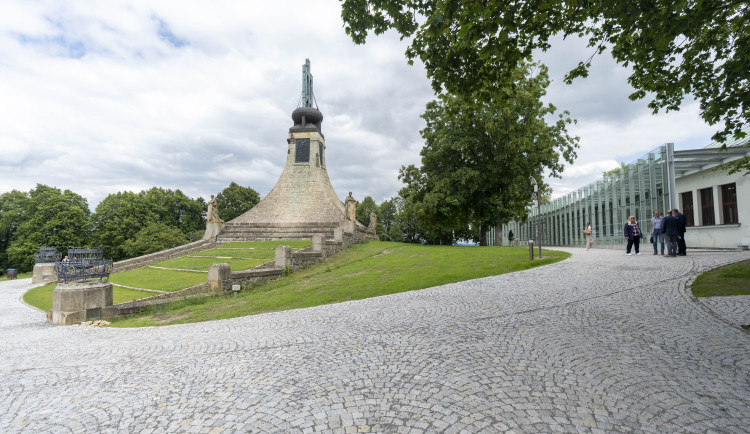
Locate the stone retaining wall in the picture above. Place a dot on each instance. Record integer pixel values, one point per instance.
(221, 278)
(152, 258)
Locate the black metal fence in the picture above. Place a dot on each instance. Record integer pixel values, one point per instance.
(83, 264)
(47, 254)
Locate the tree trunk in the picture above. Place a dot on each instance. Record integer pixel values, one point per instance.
(498, 234)
(483, 235)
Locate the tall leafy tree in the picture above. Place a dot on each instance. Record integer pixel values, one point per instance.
(675, 48)
(154, 238)
(235, 200)
(118, 218)
(51, 218)
(12, 213)
(481, 152)
(121, 216)
(366, 207)
(387, 218)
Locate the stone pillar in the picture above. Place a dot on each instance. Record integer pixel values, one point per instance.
(317, 243)
(213, 229)
(75, 302)
(217, 275)
(44, 272)
(338, 234)
(348, 226)
(283, 256)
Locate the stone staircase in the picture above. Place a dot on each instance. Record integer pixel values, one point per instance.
(235, 231)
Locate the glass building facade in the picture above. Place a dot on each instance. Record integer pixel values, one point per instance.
(636, 189)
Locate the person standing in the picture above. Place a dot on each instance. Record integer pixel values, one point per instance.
(656, 234)
(633, 234)
(670, 227)
(510, 237)
(589, 238)
(681, 247)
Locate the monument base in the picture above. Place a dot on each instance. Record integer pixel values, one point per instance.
(44, 272)
(213, 229)
(78, 301)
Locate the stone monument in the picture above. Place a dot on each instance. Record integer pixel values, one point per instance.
(214, 224)
(351, 207)
(85, 288)
(44, 267)
(303, 202)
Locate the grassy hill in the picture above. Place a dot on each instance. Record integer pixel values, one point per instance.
(366, 270)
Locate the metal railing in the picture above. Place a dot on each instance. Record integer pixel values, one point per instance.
(47, 254)
(83, 264)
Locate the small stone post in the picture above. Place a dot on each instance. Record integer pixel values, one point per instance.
(317, 243)
(217, 275)
(338, 234)
(283, 256)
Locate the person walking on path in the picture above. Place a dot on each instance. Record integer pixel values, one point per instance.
(681, 247)
(589, 238)
(633, 234)
(670, 227)
(656, 234)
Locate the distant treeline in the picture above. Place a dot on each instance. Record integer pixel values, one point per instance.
(125, 224)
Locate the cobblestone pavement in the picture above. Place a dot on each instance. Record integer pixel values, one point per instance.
(601, 342)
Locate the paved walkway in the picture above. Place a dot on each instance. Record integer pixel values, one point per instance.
(601, 342)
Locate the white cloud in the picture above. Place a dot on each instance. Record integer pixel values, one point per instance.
(100, 97)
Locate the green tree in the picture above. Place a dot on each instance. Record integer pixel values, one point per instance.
(121, 216)
(675, 48)
(480, 154)
(154, 238)
(235, 200)
(12, 214)
(386, 218)
(173, 208)
(118, 218)
(51, 218)
(364, 209)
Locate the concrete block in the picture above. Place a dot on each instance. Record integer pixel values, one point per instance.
(44, 272)
(217, 275)
(73, 302)
(317, 243)
(338, 234)
(283, 256)
(348, 226)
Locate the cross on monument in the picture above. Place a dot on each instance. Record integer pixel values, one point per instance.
(307, 85)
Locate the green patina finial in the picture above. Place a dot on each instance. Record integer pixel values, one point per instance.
(307, 86)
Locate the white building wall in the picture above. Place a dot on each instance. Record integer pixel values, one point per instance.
(724, 236)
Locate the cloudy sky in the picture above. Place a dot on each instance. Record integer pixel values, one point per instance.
(100, 97)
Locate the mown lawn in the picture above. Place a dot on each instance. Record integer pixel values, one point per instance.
(366, 270)
(160, 280)
(41, 296)
(27, 275)
(204, 263)
(732, 279)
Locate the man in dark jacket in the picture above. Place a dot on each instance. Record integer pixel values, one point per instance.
(681, 247)
(670, 227)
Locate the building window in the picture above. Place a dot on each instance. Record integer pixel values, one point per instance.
(320, 153)
(687, 208)
(707, 206)
(729, 203)
(302, 151)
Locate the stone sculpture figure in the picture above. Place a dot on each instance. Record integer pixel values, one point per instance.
(212, 216)
(373, 222)
(351, 207)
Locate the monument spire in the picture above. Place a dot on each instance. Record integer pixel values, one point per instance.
(308, 97)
